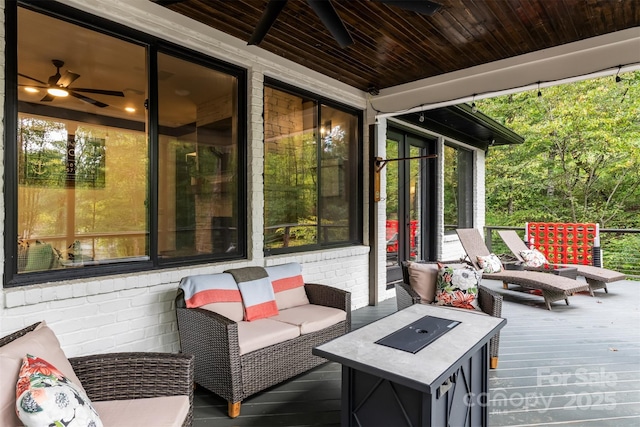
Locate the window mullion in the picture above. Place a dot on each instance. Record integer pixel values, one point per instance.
(152, 171)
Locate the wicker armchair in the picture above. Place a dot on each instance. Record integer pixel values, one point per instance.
(124, 376)
(488, 301)
(220, 368)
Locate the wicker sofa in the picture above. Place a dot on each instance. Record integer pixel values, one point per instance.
(162, 383)
(489, 303)
(216, 340)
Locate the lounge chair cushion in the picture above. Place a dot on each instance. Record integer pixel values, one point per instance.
(490, 263)
(311, 318)
(533, 258)
(166, 411)
(288, 285)
(262, 333)
(423, 278)
(44, 396)
(41, 342)
(458, 286)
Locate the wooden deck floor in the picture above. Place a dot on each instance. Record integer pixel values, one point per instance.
(577, 365)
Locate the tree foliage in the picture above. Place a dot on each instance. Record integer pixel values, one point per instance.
(581, 156)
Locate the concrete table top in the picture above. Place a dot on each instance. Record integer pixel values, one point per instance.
(424, 370)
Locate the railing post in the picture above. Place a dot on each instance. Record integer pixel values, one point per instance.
(285, 241)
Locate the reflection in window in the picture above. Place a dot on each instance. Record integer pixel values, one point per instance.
(310, 176)
(458, 188)
(82, 158)
(198, 160)
(84, 146)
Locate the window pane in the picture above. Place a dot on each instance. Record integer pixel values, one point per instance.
(339, 136)
(415, 202)
(198, 160)
(393, 190)
(82, 152)
(458, 187)
(290, 170)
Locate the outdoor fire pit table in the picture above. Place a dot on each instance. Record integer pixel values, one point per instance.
(439, 379)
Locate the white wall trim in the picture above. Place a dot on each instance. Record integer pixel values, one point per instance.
(597, 56)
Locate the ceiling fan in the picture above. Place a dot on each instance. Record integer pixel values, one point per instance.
(330, 18)
(58, 86)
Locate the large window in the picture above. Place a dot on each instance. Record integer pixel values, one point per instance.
(458, 188)
(125, 153)
(311, 172)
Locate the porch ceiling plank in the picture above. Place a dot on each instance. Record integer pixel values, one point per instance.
(394, 47)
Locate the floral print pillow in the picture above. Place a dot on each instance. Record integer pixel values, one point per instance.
(458, 286)
(490, 263)
(533, 258)
(45, 397)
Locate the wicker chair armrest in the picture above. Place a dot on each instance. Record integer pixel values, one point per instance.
(489, 301)
(126, 376)
(405, 296)
(329, 296)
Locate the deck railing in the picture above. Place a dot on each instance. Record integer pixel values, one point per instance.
(620, 247)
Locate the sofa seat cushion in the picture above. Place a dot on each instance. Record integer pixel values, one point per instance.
(262, 333)
(166, 411)
(311, 318)
(42, 342)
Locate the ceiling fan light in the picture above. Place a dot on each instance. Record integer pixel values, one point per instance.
(129, 109)
(31, 89)
(56, 91)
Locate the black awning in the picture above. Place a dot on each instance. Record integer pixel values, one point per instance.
(459, 122)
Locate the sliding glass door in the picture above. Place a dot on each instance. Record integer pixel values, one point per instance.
(411, 185)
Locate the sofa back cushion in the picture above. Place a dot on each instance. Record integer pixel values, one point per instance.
(42, 342)
(288, 285)
(423, 278)
(214, 292)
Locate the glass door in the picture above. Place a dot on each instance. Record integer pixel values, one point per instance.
(410, 200)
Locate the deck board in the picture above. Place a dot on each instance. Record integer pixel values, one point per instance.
(577, 365)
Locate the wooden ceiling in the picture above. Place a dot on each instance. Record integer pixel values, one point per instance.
(393, 46)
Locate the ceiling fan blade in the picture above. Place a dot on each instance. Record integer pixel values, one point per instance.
(67, 79)
(89, 100)
(39, 87)
(31, 78)
(330, 18)
(424, 7)
(274, 7)
(97, 91)
(48, 98)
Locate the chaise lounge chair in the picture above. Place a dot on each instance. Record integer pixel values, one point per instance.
(597, 277)
(553, 287)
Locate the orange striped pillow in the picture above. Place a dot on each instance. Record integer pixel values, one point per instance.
(288, 285)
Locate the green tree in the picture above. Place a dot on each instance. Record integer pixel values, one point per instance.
(580, 159)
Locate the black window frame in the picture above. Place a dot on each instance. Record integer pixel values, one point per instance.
(466, 181)
(154, 45)
(356, 221)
